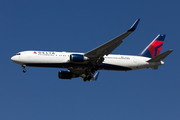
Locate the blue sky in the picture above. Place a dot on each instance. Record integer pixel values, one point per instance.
(79, 26)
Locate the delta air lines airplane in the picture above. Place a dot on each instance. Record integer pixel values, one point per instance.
(85, 65)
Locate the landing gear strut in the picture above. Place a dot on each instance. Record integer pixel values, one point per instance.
(90, 72)
(87, 79)
(23, 66)
(87, 75)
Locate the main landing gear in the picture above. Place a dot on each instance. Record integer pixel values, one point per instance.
(23, 66)
(87, 79)
(90, 73)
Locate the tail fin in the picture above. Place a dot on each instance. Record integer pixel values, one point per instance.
(154, 48)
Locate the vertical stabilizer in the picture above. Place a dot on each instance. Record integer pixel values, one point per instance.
(154, 48)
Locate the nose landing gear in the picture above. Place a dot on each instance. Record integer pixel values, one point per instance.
(24, 70)
(23, 66)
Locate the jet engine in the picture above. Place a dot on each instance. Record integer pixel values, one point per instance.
(65, 74)
(78, 58)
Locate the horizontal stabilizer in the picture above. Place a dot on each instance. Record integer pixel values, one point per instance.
(160, 57)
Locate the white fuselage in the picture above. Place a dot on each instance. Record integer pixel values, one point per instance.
(62, 60)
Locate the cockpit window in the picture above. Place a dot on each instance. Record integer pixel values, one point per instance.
(18, 54)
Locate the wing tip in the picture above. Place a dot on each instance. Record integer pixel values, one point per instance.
(170, 50)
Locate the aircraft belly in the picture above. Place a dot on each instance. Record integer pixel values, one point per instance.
(59, 65)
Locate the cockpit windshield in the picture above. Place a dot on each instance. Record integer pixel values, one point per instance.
(18, 54)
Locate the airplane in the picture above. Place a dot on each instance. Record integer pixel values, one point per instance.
(85, 65)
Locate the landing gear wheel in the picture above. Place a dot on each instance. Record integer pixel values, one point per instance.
(24, 70)
(23, 66)
(85, 79)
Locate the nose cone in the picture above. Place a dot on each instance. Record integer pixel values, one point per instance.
(15, 59)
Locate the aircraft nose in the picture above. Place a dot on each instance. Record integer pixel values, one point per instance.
(15, 59)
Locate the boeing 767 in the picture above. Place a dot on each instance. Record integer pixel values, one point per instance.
(85, 65)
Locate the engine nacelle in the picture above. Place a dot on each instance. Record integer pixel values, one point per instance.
(78, 58)
(65, 75)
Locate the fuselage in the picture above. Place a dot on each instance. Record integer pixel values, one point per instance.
(62, 60)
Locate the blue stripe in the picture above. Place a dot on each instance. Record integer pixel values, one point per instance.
(103, 66)
(113, 67)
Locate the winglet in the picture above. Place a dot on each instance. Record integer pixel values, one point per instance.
(133, 27)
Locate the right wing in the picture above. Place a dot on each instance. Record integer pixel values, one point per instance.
(96, 55)
(108, 47)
